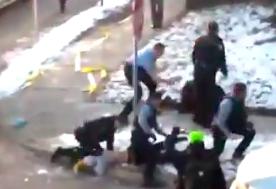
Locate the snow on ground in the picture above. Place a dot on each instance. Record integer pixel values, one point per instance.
(50, 45)
(241, 28)
(122, 141)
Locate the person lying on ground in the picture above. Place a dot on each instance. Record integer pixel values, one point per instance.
(89, 136)
(102, 163)
(232, 118)
(202, 169)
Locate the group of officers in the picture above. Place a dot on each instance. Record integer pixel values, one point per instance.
(200, 166)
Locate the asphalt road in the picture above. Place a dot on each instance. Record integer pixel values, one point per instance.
(17, 22)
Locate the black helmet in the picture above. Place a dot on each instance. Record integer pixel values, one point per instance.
(213, 27)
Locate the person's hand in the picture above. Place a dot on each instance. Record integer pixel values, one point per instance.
(153, 137)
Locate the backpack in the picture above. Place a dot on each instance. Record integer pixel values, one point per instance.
(199, 173)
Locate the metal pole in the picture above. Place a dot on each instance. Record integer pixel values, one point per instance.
(102, 2)
(135, 79)
(35, 17)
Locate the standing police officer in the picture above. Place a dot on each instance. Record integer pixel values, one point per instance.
(143, 149)
(157, 12)
(232, 118)
(208, 57)
(146, 73)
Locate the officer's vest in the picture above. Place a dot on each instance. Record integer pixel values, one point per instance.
(238, 115)
(151, 117)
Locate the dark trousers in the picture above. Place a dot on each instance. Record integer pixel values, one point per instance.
(145, 153)
(89, 144)
(62, 5)
(73, 153)
(157, 12)
(247, 131)
(143, 77)
(204, 88)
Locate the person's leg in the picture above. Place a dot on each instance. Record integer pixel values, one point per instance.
(160, 13)
(248, 132)
(153, 6)
(129, 105)
(72, 152)
(62, 5)
(147, 80)
(219, 141)
(151, 161)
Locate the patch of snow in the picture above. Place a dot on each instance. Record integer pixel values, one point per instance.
(50, 45)
(122, 141)
(262, 160)
(248, 59)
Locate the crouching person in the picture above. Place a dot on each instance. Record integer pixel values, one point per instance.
(144, 150)
(232, 118)
(89, 136)
(202, 169)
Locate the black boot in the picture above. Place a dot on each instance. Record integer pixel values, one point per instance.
(56, 154)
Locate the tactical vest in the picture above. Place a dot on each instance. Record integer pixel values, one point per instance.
(238, 115)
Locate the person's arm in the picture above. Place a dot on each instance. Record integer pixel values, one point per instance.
(219, 181)
(224, 111)
(157, 128)
(143, 119)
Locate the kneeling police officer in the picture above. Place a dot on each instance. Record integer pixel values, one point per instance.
(144, 150)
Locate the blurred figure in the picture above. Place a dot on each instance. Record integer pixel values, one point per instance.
(203, 170)
(157, 12)
(232, 118)
(89, 136)
(62, 6)
(208, 57)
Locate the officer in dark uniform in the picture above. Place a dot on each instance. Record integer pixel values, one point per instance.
(208, 57)
(89, 136)
(232, 118)
(157, 12)
(143, 149)
(203, 170)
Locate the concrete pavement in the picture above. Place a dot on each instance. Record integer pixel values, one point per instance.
(54, 104)
(17, 23)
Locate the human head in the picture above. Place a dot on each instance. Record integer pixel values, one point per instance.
(156, 99)
(240, 90)
(213, 27)
(196, 137)
(158, 49)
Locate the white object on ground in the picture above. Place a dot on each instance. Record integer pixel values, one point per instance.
(250, 56)
(52, 43)
(258, 169)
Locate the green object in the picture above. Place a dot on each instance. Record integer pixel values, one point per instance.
(196, 136)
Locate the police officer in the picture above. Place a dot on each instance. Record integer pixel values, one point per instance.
(157, 12)
(144, 150)
(232, 118)
(203, 170)
(146, 74)
(89, 136)
(208, 57)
